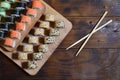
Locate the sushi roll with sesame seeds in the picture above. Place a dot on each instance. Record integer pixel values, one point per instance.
(54, 32)
(44, 24)
(37, 56)
(59, 24)
(32, 64)
(33, 40)
(49, 39)
(39, 32)
(22, 56)
(50, 17)
(28, 48)
(43, 48)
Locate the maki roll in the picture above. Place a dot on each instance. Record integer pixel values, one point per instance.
(28, 48)
(20, 5)
(50, 17)
(5, 5)
(9, 42)
(15, 34)
(2, 34)
(25, 19)
(31, 12)
(4, 27)
(2, 12)
(39, 31)
(44, 24)
(20, 26)
(37, 4)
(43, 48)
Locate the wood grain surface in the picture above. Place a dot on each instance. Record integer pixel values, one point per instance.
(99, 60)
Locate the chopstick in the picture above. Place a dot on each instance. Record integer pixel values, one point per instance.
(91, 33)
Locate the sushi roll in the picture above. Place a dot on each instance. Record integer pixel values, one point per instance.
(25, 0)
(15, 12)
(12, 1)
(8, 19)
(2, 12)
(37, 4)
(4, 27)
(37, 56)
(2, 34)
(32, 65)
(20, 5)
(33, 40)
(9, 42)
(39, 31)
(20, 26)
(28, 48)
(49, 39)
(25, 19)
(50, 17)
(15, 34)
(31, 12)
(54, 32)
(5, 5)
(43, 48)
(22, 56)
(59, 24)
(44, 24)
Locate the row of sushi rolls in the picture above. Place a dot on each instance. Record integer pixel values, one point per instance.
(48, 29)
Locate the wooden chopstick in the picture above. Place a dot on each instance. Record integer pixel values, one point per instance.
(88, 35)
(91, 33)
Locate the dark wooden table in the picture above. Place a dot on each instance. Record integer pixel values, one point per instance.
(99, 60)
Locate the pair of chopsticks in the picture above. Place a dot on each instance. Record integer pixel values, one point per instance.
(87, 37)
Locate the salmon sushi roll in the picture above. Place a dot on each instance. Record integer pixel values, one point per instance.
(9, 42)
(15, 34)
(37, 4)
(31, 12)
(25, 19)
(20, 26)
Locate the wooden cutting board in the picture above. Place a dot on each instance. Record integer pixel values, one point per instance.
(52, 47)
